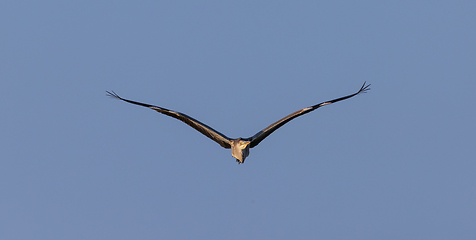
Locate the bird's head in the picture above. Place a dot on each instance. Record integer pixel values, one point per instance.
(240, 149)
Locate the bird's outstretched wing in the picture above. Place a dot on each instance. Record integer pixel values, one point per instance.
(216, 136)
(261, 135)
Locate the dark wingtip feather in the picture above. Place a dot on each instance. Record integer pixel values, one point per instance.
(364, 88)
(113, 94)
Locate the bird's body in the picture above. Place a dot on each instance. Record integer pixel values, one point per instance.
(240, 149)
(239, 146)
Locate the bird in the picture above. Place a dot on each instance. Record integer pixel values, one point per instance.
(240, 147)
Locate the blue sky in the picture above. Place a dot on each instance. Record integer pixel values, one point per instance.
(395, 163)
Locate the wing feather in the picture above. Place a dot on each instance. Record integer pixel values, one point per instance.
(261, 135)
(206, 130)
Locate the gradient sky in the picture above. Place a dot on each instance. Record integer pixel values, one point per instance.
(395, 163)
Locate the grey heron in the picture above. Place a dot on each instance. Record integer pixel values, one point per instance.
(240, 147)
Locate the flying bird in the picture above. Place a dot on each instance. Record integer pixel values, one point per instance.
(240, 147)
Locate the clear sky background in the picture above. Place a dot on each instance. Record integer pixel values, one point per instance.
(395, 163)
